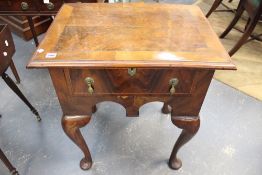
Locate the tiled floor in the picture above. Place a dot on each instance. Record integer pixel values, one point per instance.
(229, 141)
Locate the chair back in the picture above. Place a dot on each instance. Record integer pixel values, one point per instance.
(7, 48)
(253, 8)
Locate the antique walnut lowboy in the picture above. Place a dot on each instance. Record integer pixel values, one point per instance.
(131, 54)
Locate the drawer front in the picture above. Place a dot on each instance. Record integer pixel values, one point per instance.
(5, 5)
(7, 48)
(129, 81)
(18, 5)
(53, 5)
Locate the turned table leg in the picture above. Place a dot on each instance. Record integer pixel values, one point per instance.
(8, 164)
(32, 28)
(12, 66)
(16, 90)
(71, 126)
(190, 126)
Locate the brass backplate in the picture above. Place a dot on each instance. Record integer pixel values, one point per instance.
(131, 71)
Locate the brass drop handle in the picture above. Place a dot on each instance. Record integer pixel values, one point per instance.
(131, 71)
(90, 82)
(24, 6)
(50, 6)
(173, 82)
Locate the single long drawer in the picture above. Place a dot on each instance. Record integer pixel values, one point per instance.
(129, 81)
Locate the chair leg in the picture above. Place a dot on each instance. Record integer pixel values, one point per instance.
(248, 22)
(16, 90)
(7, 163)
(213, 7)
(245, 36)
(12, 66)
(32, 28)
(233, 22)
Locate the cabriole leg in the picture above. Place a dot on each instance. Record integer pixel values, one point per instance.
(71, 126)
(190, 126)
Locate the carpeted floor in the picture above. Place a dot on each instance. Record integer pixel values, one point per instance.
(248, 77)
(229, 141)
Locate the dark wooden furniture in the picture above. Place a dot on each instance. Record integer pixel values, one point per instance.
(254, 11)
(11, 168)
(31, 8)
(132, 54)
(215, 6)
(7, 50)
(20, 26)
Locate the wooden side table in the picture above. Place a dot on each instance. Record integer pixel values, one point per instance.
(132, 54)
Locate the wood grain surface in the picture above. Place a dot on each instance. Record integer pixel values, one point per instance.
(131, 34)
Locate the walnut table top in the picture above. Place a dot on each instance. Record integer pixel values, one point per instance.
(131, 34)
